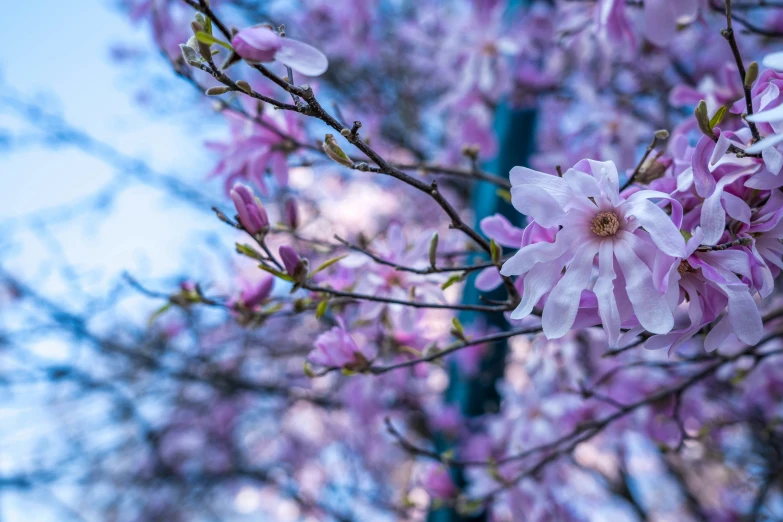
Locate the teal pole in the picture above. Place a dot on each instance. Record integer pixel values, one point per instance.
(478, 395)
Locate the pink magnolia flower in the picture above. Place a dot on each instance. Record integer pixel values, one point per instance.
(611, 22)
(261, 43)
(254, 295)
(595, 220)
(438, 483)
(256, 147)
(710, 282)
(766, 230)
(252, 214)
(337, 349)
(661, 18)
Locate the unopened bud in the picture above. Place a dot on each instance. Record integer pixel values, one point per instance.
(334, 151)
(471, 151)
(653, 169)
(661, 134)
(434, 250)
(189, 54)
(197, 27)
(703, 119)
(345, 132)
(751, 74)
(242, 84)
(291, 213)
(217, 91)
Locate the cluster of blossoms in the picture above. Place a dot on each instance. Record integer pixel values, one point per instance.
(368, 254)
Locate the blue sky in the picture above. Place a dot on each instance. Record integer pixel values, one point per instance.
(59, 55)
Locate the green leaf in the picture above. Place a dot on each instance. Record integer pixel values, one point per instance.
(451, 280)
(247, 250)
(308, 370)
(326, 264)
(208, 25)
(321, 309)
(504, 195)
(495, 251)
(209, 40)
(457, 326)
(160, 311)
(718, 117)
(276, 273)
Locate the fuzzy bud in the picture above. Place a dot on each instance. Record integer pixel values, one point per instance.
(217, 91)
(751, 74)
(242, 84)
(434, 250)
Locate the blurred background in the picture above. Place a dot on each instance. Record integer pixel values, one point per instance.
(95, 181)
(119, 401)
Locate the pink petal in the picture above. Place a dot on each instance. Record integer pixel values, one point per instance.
(500, 229)
(649, 305)
(659, 23)
(488, 279)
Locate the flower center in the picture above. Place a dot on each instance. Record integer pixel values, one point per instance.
(685, 267)
(605, 224)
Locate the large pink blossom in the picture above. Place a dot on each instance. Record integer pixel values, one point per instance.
(595, 220)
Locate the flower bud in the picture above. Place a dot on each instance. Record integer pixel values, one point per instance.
(189, 54)
(242, 84)
(290, 258)
(257, 44)
(433, 253)
(252, 214)
(256, 295)
(291, 213)
(334, 151)
(751, 74)
(217, 91)
(653, 169)
(337, 349)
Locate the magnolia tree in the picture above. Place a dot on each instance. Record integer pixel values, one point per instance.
(625, 344)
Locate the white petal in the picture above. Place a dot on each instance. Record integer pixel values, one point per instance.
(769, 141)
(538, 281)
(533, 201)
(604, 291)
(659, 225)
(301, 57)
(773, 61)
(563, 302)
(774, 114)
(554, 185)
